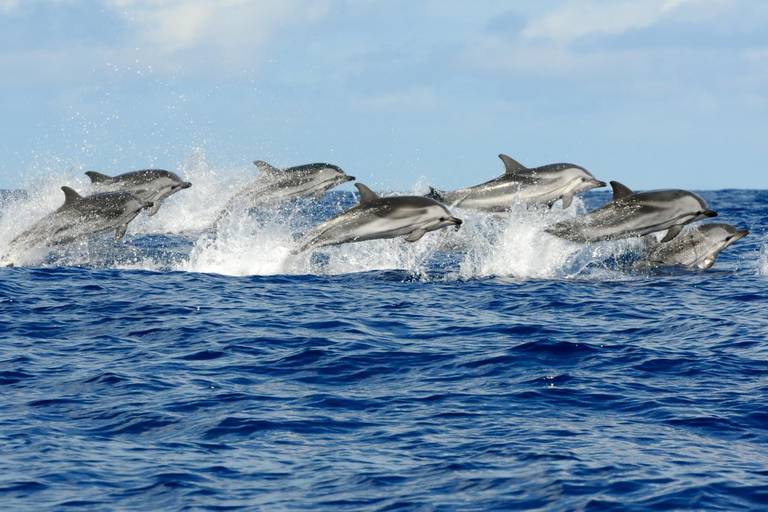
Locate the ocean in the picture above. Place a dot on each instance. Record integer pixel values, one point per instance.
(490, 368)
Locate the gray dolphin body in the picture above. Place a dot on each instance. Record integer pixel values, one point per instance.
(274, 186)
(697, 247)
(629, 214)
(81, 218)
(380, 217)
(151, 185)
(540, 185)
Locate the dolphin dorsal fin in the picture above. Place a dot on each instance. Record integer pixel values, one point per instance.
(265, 167)
(366, 195)
(512, 166)
(97, 177)
(71, 196)
(620, 191)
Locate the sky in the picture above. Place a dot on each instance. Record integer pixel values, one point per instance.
(651, 93)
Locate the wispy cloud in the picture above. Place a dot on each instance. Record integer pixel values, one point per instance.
(579, 19)
(175, 25)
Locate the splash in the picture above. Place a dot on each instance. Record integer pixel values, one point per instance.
(189, 234)
(762, 261)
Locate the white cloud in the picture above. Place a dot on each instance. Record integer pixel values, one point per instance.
(578, 19)
(176, 25)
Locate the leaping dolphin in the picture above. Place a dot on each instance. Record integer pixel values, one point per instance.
(540, 185)
(152, 185)
(274, 186)
(380, 217)
(80, 218)
(697, 247)
(630, 214)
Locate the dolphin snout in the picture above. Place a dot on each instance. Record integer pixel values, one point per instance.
(456, 222)
(740, 234)
(148, 204)
(710, 213)
(599, 184)
(185, 184)
(350, 178)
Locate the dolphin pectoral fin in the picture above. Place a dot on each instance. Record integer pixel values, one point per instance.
(567, 200)
(672, 233)
(416, 235)
(155, 208)
(120, 231)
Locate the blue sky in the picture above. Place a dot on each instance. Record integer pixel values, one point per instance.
(652, 93)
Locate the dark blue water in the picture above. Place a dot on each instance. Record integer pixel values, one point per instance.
(447, 384)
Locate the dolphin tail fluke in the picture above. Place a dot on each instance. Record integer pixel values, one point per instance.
(672, 233)
(97, 177)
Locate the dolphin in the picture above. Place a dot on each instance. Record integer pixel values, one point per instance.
(380, 217)
(152, 185)
(273, 186)
(540, 185)
(697, 247)
(81, 218)
(630, 214)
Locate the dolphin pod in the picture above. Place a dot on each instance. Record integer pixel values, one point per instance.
(119, 199)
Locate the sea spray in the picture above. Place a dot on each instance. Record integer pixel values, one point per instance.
(186, 236)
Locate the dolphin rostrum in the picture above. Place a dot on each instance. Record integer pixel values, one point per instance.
(274, 186)
(540, 185)
(81, 218)
(630, 214)
(152, 185)
(697, 247)
(380, 217)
